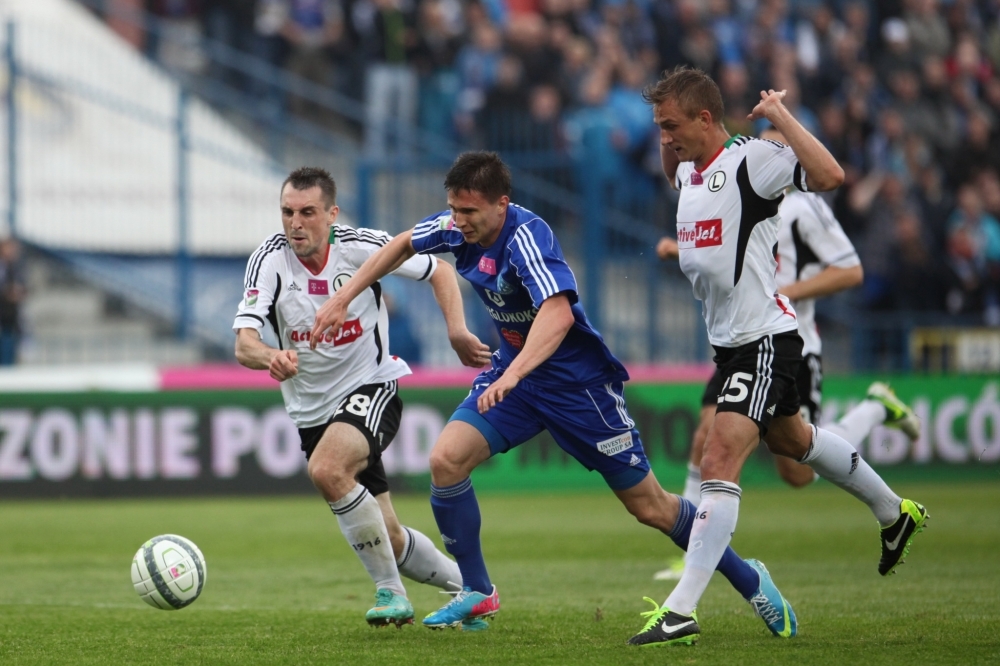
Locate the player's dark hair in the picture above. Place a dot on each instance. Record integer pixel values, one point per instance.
(479, 171)
(692, 89)
(305, 178)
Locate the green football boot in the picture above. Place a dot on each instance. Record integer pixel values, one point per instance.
(390, 608)
(896, 538)
(897, 413)
(665, 627)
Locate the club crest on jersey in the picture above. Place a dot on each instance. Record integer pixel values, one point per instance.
(339, 281)
(699, 234)
(251, 297)
(514, 338)
(716, 181)
(487, 265)
(319, 288)
(504, 287)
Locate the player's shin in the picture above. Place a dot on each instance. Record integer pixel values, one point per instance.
(361, 522)
(714, 524)
(456, 511)
(741, 575)
(423, 562)
(838, 462)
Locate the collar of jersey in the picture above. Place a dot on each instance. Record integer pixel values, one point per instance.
(325, 261)
(728, 143)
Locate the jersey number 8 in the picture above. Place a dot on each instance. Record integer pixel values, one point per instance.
(358, 405)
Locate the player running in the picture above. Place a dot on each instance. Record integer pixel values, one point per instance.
(552, 372)
(727, 233)
(341, 391)
(815, 259)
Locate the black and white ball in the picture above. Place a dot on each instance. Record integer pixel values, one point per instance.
(169, 572)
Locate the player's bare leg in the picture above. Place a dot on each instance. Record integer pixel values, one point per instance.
(341, 454)
(834, 459)
(460, 449)
(794, 473)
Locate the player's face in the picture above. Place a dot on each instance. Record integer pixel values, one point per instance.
(306, 220)
(686, 135)
(479, 220)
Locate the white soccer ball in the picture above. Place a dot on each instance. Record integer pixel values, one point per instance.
(168, 572)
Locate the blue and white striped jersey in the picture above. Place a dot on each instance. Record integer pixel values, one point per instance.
(513, 276)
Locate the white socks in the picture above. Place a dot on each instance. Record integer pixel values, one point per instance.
(361, 522)
(855, 425)
(720, 506)
(838, 462)
(423, 562)
(692, 484)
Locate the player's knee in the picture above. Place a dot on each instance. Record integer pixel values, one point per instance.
(330, 476)
(445, 464)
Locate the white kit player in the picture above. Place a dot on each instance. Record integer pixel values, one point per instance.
(815, 259)
(727, 232)
(342, 396)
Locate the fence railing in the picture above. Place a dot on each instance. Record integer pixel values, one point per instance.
(155, 183)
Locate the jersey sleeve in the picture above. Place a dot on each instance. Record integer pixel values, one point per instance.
(539, 262)
(771, 167)
(418, 267)
(824, 235)
(360, 244)
(436, 234)
(259, 285)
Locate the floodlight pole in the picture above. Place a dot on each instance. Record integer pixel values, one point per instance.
(183, 201)
(11, 100)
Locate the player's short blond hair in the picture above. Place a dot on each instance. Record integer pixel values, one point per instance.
(693, 90)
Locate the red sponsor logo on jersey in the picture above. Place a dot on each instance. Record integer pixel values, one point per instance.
(699, 234)
(487, 265)
(319, 288)
(349, 332)
(514, 338)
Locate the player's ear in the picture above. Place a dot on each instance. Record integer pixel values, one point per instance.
(333, 213)
(503, 202)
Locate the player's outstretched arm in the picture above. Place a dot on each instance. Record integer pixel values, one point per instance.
(552, 323)
(822, 170)
(829, 281)
(667, 248)
(252, 353)
(471, 351)
(333, 313)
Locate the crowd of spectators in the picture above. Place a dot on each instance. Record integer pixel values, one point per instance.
(905, 93)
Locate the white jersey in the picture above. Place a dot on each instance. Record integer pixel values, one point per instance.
(282, 292)
(727, 230)
(809, 240)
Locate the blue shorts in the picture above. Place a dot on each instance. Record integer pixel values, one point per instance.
(592, 425)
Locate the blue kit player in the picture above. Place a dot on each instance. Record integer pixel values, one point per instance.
(552, 372)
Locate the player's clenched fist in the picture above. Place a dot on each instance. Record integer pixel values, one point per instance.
(770, 102)
(667, 248)
(330, 316)
(284, 365)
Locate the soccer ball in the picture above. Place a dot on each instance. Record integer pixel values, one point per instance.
(168, 572)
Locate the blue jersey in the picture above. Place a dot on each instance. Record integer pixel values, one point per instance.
(513, 277)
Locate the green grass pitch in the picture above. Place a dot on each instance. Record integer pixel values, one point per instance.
(284, 588)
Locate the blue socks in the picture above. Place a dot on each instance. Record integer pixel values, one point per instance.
(741, 575)
(457, 514)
